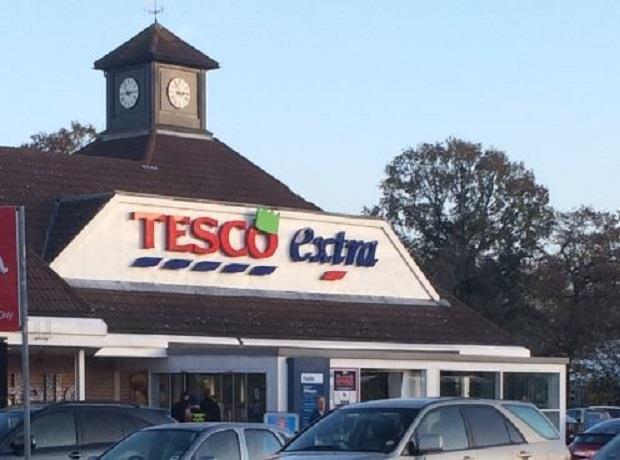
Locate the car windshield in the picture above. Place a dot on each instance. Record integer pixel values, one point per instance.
(152, 445)
(9, 420)
(356, 430)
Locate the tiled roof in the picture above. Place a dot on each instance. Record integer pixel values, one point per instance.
(50, 295)
(155, 43)
(69, 216)
(134, 312)
(179, 167)
(202, 169)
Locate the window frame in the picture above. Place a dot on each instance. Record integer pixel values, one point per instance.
(82, 414)
(507, 423)
(423, 415)
(506, 406)
(43, 414)
(278, 439)
(198, 443)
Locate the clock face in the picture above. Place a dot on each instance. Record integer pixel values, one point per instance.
(129, 92)
(178, 93)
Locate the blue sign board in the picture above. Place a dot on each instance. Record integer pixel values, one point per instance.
(285, 421)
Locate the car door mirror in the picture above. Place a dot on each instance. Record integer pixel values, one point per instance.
(17, 445)
(428, 444)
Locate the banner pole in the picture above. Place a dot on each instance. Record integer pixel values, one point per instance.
(23, 304)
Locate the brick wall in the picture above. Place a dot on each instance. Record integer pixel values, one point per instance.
(100, 379)
(52, 379)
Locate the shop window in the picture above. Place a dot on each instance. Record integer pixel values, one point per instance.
(542, 389)
(380, 384)
(469, 384)
(241, 397)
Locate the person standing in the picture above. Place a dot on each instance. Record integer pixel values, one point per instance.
(321, 409)
(182, 410)
(210, 408)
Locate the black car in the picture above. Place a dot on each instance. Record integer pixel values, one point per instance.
(74, 430)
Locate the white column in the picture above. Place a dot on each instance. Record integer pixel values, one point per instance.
(466, 386)
(80, 375)
(563, 398)
(282, 382)
(433, 382)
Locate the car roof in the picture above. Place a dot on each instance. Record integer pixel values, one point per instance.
(207, 426)
(613, 425)
(594, 407)
(420, 403)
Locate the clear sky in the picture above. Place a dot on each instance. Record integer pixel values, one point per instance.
(323, 93)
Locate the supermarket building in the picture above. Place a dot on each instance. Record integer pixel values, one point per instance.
(160, 260)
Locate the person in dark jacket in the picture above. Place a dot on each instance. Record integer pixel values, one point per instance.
(182, 409)
(210, 408)
(321, 409)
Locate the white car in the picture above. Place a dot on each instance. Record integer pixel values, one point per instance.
(199, 441)
(433, 429)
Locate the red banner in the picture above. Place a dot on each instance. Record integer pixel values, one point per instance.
(9, 271)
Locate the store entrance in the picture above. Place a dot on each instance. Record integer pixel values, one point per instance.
(241, 397)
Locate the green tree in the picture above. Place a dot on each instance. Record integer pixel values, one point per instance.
(473, 219)
(65, 140)
(577, 283)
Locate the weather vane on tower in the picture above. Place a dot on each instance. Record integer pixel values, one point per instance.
(154, 10)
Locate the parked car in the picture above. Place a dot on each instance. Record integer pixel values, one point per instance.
(74, 430)
(611, 450)
(588, 443)
(199, 441)
(438, 429)
(587, 417)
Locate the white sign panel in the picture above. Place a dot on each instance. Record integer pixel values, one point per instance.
(159, 243)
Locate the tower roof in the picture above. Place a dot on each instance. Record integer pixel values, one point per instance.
(156, 43)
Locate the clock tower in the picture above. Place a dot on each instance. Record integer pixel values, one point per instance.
(155, 82)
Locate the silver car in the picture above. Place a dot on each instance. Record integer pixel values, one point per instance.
(199, 441)
(434, 429)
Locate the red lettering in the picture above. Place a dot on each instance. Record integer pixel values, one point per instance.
(200, 233)
(148, 227)
(173, 233)
(204, 236)
(224, 235)
(255, 252)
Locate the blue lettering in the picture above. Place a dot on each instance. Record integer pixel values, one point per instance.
(320, 244)
(336, 250)
(366, 255)
(339, 241)
(301, 237)
(352, 248)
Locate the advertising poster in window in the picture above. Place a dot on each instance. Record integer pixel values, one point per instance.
(345, 386)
